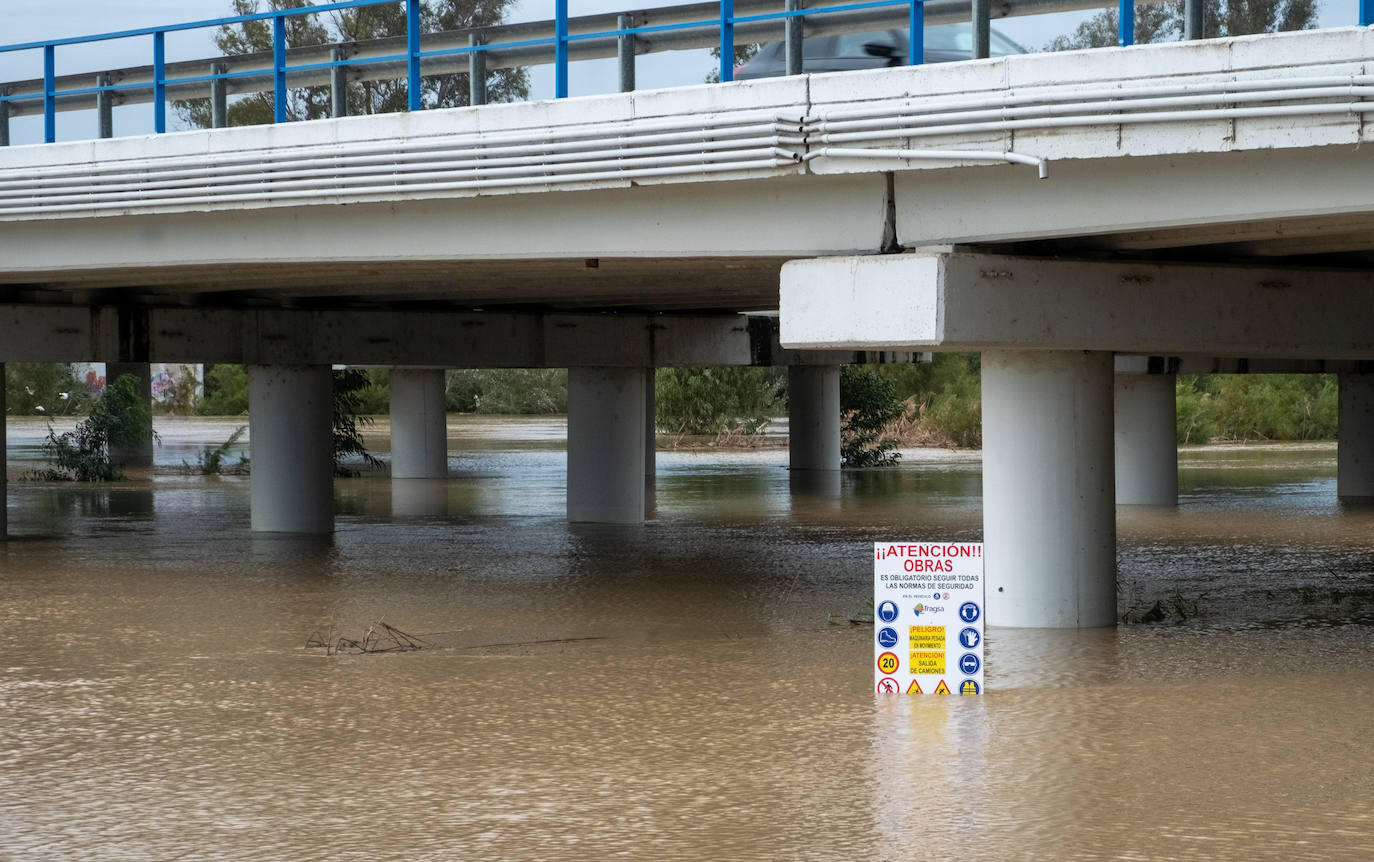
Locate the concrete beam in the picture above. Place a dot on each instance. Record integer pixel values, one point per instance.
(1239, 365)
(39, 333)
(964, 301)
(1197, 192)
(750, 217)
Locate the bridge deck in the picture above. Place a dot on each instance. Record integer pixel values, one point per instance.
(692, 198)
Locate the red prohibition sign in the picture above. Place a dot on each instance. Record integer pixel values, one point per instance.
(888, 662)
(888, 685)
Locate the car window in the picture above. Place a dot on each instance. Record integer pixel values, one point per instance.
(958, 38)
(949, 37)
(1001, 46)
(852, 44)
(817, 47)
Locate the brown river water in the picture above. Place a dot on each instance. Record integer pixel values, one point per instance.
(691, 689)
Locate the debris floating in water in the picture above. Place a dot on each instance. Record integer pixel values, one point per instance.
(380, 637)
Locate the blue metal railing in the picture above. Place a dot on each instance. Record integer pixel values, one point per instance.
(160, 80)
(560, 41)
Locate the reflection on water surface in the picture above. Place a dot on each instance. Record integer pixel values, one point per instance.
(691, 689)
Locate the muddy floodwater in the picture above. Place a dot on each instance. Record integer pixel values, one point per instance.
(691, 689)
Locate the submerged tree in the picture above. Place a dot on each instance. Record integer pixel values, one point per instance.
(1163, 22)
(868, 404)
(120, 418)
(355, 25)
(349, 421)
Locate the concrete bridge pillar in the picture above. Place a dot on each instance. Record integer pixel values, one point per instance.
(1146, 440)
(1049, 520)
(1355, 436)
(419, 429)
(141, 455)
(813, 417)
(290, 435)
(650, 429)
(606, 445)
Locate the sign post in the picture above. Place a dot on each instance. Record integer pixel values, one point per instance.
(928, 618)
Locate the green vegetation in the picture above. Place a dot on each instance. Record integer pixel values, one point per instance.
(515, 391)
(944, 400)
(350, 385)
(354, 25)
(210, 460)
(942, 403)
(868, 405)
(44, 389)
(1163, 22)
(226, 391)
(1256, 407)
(717, 401)
(373, 398)
(119, 418)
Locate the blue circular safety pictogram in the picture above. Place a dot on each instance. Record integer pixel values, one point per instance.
(887, 611)
(887, 637)
(970, 638)
(969, 663)
(968, 612)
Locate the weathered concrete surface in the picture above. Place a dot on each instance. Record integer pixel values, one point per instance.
(966, 301)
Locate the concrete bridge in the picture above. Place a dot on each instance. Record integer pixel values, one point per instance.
(1065, 214)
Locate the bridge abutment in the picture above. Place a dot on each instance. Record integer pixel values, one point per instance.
(419, 430)
(1049, 520)
(290, 416)
(813, 417)
(606, 438)
(1355, 438)
(1146, 440)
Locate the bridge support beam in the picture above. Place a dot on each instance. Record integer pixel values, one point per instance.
(813, 417)
(290, 425)
(1049, 523)
(1355, 436)
(141, 455)
(419, 430)
(606, 445)
(1146, 440)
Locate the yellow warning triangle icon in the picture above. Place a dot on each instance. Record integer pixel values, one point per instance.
(942, 688)
(914, 688)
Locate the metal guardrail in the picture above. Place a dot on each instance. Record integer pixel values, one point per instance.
(561, 40)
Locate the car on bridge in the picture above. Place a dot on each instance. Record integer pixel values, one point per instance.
(873, 49)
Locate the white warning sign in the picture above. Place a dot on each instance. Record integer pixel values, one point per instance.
(928, 617)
